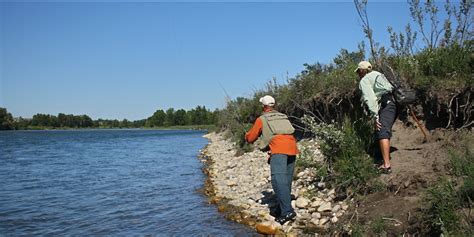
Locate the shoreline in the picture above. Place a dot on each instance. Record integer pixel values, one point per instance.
(240, 188)
(184, 127)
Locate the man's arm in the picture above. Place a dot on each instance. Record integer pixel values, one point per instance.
(253, 134)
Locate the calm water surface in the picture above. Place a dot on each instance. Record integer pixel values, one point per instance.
(106, 182)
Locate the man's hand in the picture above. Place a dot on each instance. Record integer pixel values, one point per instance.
(377, 124)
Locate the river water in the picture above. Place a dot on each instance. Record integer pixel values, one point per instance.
(106, 182)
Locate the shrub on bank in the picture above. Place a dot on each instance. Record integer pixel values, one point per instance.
(346, 162)
(446, 200)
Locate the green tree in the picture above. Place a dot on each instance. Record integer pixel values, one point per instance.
(169, 117)
(157, 119)
(125, 123)
(180, 117)
(6, 120)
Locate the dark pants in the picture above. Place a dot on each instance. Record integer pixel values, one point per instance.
(282, 167)
(387, 116)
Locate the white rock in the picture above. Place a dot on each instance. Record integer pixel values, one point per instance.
(316, 203)
(293, 204)
(334, 219)
(305, 216)
(302, 202)
(316, 215)
(336, 208)
(323, 221)
(332, 191)
(325, 207)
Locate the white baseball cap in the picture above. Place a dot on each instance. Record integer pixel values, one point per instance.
(267, 100)
(364, 65)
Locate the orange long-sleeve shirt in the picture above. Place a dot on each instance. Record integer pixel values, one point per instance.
(280, 144)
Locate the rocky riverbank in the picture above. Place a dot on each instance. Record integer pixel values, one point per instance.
(240, 186)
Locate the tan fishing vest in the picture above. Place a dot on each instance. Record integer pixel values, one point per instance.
(274, 123)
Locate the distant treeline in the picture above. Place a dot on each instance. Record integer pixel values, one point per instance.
(171, 117)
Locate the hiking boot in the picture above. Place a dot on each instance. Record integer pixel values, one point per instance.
(275, 212)
(283, 219)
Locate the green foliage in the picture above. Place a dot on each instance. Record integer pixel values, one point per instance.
(61, 121)
(462, 165)
(357, 231)
(306, 159)
(462, 158)
(378, 226)
(329, 134)
(237, 118)
(440, 214)
(354, 167)
(198, 116)
(376, 185)
(449, 67)
(169, 121)
(444, 200)
(6, 120)
(344, 147)
(157, 119)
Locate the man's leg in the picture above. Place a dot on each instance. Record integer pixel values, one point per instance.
(278, 166)
(290, 167)
(385, 149)
(387, 118)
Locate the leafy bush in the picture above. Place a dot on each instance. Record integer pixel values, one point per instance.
(438, 69)
(308, 159)
(354, 167)
(346, 159)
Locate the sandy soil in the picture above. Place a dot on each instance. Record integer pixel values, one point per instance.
(415, 165)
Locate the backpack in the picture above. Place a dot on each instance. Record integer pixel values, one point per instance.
(402, 95)
(274, 123)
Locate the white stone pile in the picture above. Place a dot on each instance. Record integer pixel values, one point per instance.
(245, 182)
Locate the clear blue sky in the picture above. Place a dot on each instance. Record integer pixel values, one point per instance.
(126, 60)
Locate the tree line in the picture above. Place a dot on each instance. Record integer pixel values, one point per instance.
(171, 117)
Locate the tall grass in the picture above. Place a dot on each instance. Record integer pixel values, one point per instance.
(445, 199)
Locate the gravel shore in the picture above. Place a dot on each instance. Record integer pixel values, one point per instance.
(240, 187)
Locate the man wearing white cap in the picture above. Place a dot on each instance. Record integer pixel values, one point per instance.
(377, 95)
(275, 132)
